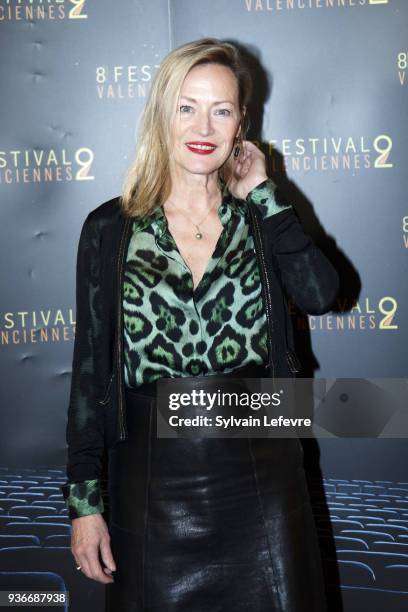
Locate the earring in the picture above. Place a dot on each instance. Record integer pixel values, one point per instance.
(236, 151)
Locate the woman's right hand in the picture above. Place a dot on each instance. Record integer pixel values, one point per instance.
(89, 536)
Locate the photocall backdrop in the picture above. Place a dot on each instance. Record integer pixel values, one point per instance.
(330, 112)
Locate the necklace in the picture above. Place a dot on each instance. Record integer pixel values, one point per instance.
(198, 234)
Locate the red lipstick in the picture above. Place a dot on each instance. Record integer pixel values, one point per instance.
(201, 147)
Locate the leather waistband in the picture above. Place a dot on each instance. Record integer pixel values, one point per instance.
(248, 371)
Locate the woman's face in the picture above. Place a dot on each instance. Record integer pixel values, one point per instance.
(208, 115)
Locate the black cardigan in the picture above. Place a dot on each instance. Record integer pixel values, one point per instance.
(292, 266)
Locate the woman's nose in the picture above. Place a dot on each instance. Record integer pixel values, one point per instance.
(203, 124)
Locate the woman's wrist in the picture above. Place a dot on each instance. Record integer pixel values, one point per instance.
(258, 182)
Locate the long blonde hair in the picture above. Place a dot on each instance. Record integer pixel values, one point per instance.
(147, 180)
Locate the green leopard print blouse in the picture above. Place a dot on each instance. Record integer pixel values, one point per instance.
(171, 330)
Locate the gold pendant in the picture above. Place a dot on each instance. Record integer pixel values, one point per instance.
(198, 235)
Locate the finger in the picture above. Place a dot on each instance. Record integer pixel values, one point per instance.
(95, 566)
(249, 146)
(107, 557)
(238, 167)
(83, 562)
(253, 149)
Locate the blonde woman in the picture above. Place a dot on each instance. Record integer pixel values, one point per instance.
(186, 276)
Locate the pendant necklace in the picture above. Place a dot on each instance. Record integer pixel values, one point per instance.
(198, 234)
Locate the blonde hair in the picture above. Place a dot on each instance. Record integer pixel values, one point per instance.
(147, 180)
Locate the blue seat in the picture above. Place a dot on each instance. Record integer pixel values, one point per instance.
(54, 518)
(18, 540)
(6, 518)
(367, 535)
(58, 540)
(396, 577)
(31, 511)
(356, 573)
(378, 561)
(9, 503)
(41, 530)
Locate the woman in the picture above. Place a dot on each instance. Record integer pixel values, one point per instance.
(186, 276)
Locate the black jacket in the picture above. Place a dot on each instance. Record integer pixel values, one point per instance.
(291, 266)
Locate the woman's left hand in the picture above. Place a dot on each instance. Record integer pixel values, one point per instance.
(249, 170)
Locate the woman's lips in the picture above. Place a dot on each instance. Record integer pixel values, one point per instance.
(203, 148)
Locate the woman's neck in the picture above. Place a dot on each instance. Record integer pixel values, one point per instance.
(196, 193)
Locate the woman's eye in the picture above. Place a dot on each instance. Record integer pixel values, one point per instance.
(185, 108)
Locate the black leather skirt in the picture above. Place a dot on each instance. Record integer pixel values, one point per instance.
(209, 525)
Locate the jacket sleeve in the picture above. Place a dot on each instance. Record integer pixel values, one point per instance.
(85, 422)
(308, 276)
